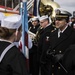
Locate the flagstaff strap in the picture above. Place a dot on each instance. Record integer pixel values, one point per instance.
(6, 50)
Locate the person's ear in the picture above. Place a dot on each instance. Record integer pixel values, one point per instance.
(16, 33)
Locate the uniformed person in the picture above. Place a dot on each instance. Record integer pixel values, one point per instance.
(59, 43)
(43, 43)
(73, 22)
(12, 61)
(34, 24)
(33, 27)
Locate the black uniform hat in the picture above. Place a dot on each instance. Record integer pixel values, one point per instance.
(62, 14)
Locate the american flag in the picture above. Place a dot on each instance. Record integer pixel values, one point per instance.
(36, 7)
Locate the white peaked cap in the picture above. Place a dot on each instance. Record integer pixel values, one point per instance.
(61, 11)
(43, 17)
(12, 22)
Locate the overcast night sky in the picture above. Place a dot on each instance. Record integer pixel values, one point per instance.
(67, 4)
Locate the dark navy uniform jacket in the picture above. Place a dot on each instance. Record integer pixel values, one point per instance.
(33, 28)
(14, 62)
(44, 43)
(69, 60)
(59, 46)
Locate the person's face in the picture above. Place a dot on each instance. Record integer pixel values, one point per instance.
(44, 23)
(61, 24)
(72, 20)
(34, 23)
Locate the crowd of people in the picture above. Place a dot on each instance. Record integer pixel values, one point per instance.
(51, 50)
(51, 54)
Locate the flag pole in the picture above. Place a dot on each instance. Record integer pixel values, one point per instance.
(5, 4)
(12, 4)
(19, 1)
(35, 8)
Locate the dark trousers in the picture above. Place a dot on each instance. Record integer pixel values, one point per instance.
(45, 69)
(33, 65)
